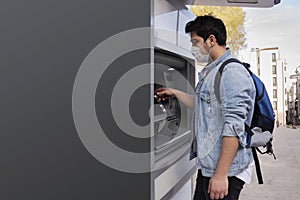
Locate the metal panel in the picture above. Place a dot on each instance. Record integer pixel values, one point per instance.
(167, 180)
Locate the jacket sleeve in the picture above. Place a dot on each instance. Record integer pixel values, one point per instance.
(237, 92)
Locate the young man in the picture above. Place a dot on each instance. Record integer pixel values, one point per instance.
(223, 160)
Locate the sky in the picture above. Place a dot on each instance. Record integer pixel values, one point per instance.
(278, 26)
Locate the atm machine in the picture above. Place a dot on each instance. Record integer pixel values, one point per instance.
(72, 92)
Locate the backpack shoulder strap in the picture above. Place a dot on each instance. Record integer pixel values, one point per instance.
(219, 75)
(257, 166)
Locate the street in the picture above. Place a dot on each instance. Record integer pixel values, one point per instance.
(281, 176)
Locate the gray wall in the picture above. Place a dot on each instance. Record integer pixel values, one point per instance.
(42, 46)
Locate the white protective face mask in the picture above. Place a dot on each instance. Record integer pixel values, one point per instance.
(200, 57)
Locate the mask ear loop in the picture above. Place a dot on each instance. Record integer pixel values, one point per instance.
(211, 41)
(210, 58)
(212, 45)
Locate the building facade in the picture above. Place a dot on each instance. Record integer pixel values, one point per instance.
(291, 114)
(294, 96)
(267, 64)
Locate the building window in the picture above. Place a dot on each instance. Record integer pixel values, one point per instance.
(285, 79)
(258, 60)
(274, 81)
(275, 105)
(285, 102)
(258, 71)
(274, 93)
(285, 68)
(274, 57)
(274, 69)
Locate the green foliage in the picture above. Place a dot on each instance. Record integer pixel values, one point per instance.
(233, 18)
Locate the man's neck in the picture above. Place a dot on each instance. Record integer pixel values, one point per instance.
(217, 52)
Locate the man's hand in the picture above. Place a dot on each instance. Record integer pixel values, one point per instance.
(186, 99)
(164, 92)
(218, 187)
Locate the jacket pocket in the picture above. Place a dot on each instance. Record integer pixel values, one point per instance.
(207, 103)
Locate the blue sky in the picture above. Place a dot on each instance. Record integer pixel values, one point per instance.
(276, 27)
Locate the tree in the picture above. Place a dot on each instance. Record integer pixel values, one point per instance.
(233, 18)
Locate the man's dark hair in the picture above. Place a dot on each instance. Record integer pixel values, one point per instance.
(208, 25)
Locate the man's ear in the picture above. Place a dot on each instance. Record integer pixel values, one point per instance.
(212, 39)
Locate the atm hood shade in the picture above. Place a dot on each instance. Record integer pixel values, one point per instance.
(240, 3)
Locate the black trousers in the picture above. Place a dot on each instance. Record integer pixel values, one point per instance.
(235, 185)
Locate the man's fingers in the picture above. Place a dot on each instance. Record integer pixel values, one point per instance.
(216, 196)
(160, 89)
(212, 195)
(161, 93)
(221, 195)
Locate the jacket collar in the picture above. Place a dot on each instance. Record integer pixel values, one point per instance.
(213, 64)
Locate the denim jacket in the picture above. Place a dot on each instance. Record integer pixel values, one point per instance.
(213, 121)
